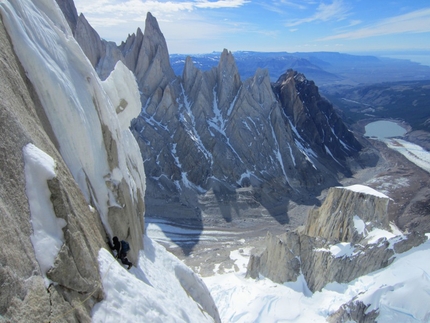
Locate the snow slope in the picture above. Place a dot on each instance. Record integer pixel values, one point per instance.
(416, 154)
(161, 289)
(401, 292)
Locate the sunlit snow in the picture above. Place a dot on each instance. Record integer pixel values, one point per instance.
(160, 289)
(47, 237)
(400, 291)
(364, 189)
(416, 154)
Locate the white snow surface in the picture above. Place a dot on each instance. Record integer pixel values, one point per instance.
(401, 292)
(359, 225)
(155, 291)
(75, 100)
(416, 154)
(47, 237)
(364, 189)
(120, 87)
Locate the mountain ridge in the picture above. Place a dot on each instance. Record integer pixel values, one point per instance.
(215, 147)
(210, 130)
(327, 69)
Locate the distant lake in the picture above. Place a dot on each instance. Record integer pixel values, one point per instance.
(384, 129)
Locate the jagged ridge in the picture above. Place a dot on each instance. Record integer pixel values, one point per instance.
(211, 132)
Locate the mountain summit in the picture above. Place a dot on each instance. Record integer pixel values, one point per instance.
(210, 138)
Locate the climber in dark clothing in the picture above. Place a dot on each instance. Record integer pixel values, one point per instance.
(121, 248)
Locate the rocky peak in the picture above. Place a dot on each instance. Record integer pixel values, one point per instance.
(89, 40)
(218, 131)
(190, 74)
(326, 133)
(347, 237)
(228, 80)
(147, 56)
(131, 47)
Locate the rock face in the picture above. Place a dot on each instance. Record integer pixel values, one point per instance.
(96, 189)
(335, 220)
(209, 134)
(347, 237)
(24, 297)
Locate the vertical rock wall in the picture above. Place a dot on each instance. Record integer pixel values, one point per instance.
(336, 244)
(24, 296)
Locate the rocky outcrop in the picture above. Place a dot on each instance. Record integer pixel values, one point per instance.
(354, 311)
(337, 218)
(347, 237)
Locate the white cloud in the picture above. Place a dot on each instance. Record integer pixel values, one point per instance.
(413, 22)
(139, 6)
(337, 10)
(204, 4)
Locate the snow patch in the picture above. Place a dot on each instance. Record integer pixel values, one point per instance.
(359, 225)
(339, 250)
(47, 237)
(364, 189)
(343, 249)
(376, 234)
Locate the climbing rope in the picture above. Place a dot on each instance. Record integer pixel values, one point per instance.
(98, 285)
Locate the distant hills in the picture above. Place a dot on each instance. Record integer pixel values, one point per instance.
(406, 100)
(327, 69)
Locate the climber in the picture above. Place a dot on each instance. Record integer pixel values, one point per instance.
(121, 248)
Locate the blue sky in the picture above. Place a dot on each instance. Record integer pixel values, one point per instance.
(203, 26)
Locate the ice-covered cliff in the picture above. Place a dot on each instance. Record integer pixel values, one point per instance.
(71, 175)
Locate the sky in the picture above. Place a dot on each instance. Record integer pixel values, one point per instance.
(203, 26)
